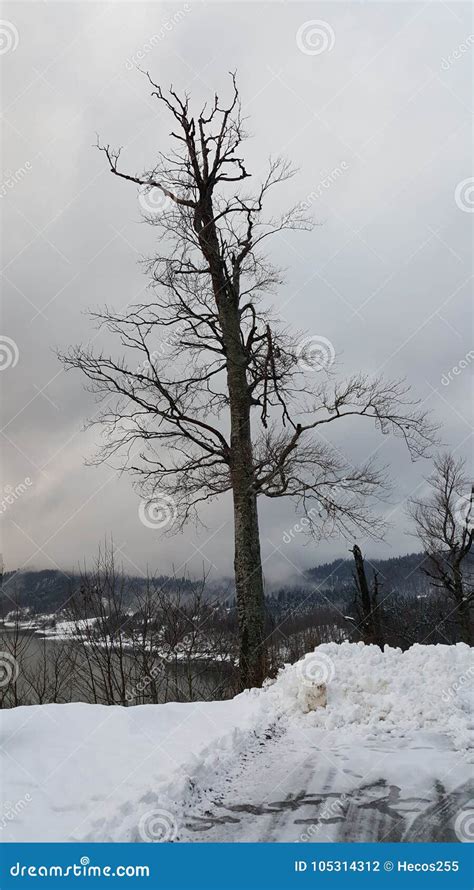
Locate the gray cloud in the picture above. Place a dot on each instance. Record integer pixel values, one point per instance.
(379, 127)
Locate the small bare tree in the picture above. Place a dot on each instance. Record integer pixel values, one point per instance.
(444, 524)
(366, 601)
(215, 393)
(15, 640)
(49, 671)
(99, 612)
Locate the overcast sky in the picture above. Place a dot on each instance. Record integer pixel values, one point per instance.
(373, 105)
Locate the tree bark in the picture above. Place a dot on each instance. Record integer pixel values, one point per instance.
(462, 607)
(248, 567)
(370, 620)
(247, 557)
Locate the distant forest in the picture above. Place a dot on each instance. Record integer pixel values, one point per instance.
(45, 591)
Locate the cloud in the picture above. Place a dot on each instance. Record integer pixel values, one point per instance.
(384, 277)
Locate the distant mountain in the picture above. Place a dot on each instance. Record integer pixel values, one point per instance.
(400, 573)
(48, 590)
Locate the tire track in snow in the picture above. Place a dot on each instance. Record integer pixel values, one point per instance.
(290, 786)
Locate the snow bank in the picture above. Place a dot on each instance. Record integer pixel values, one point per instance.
(78, 766)
(76, 771)
(426, 687)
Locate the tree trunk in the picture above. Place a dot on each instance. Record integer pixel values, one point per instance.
(368, 601)
(463, 608)
(249, 587)
(247, 557)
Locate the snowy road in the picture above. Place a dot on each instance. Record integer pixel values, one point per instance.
(386, 759)
(298, 785)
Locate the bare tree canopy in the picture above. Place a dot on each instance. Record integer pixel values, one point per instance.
(235, 402)
(444, 524)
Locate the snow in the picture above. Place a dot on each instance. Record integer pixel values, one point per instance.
(80, 763)
(80, 771)
(45, 626)
(63, 630)
(425, 687)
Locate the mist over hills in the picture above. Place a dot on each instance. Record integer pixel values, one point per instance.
(47, 590)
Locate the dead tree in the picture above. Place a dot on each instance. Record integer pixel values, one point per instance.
(367, 606)
(213, 395)
(444, 525)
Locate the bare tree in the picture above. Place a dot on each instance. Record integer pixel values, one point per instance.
(366, 602)
(15, 640)
(227, 392)
(49, 671)
(139, 641)
(444, 524)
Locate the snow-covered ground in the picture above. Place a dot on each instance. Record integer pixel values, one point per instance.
(48, 626)
(387, 758)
